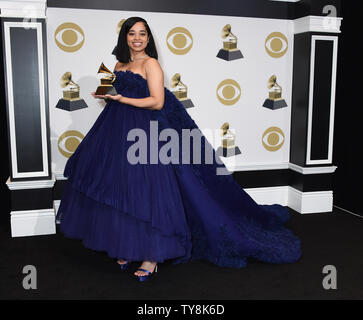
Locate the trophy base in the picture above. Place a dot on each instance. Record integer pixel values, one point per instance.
(102, 90)
(187, 103)
(71, 105)
(228, 152)
(274, 104)
(229, 55)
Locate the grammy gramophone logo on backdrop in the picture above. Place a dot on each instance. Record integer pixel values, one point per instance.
(228, 147)
(228, 92)
(229, 51)
(71, 100)
(180, 90)
(179, 40)
(69, 37)
(274, 100)
(69, 141)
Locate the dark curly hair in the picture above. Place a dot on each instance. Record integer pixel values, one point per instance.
(122, 51)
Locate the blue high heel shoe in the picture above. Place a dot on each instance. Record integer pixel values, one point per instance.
(148, 275)
(124, 266)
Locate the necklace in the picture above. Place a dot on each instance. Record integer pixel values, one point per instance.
(132, 59)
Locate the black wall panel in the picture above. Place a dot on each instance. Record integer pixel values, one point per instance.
(26, 97)
(300, 98)
(24, 61)
(321, 99)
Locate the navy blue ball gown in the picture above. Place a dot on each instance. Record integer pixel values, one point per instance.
(157, 211)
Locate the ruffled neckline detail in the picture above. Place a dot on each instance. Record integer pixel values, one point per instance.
(135, 75)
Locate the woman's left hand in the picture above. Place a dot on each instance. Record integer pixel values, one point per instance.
(116, 97)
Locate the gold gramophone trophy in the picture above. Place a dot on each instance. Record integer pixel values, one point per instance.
(181, 91)
(106, 86)
(230, 50)
(274, 100)
(228, 148)
(71, 100)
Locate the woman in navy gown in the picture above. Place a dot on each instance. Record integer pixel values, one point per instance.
(156, 211)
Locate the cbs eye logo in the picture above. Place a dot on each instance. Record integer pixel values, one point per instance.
(228, 92)
(273, 139)
(69, 141)
(69, 37)
(276, 45)
(179, 40)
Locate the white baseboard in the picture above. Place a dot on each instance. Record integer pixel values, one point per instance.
(310, 202)
(302, 202)
(269, 195)
(42, 222)
(32, 222)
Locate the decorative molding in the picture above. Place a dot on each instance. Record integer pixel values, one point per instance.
(30, 184)
(302, 202)
(312, 170)
(270, 195)
(10, 95)
(277, 166)
(32, 222)
(233, 166)
(310, 202)
(317, 24)
(332, 98)
(28, 9)
(60, 176)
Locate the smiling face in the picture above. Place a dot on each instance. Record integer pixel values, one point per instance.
(137, 37)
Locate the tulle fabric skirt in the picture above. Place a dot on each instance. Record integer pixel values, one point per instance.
(157, 211)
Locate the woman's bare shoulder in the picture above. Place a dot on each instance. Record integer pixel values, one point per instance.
(118, 65)
(152, 65)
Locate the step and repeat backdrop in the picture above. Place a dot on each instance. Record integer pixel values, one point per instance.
(232, 74)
